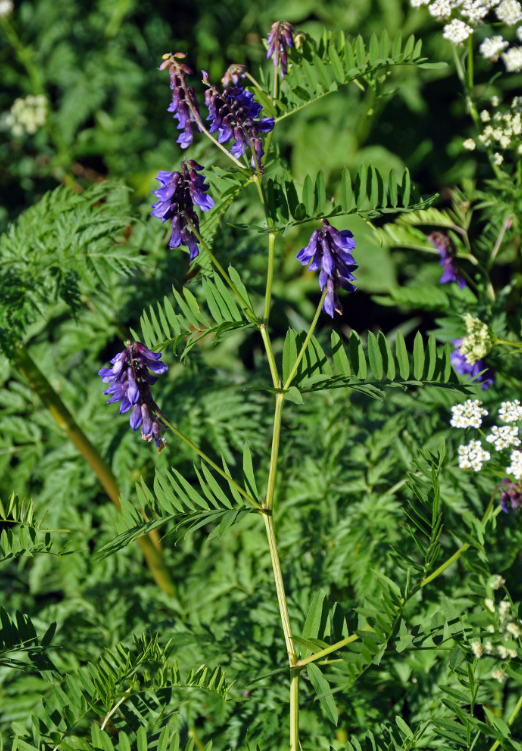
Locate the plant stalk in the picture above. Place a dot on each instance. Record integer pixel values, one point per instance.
(306, 342)
(269, 276)
(149, 544)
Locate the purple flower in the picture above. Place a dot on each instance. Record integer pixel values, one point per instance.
(233, 114)
(448, 259)
(462, 366)
(280, 37)
(177, 195)
(511, 495)
(130, 383)
(184, 105)
(329, 250)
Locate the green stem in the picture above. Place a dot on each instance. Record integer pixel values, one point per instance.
(208, 460)
(287, 630)
(149, 544)
(269, 276)
(306, 342)
(505, 225)
(270, 355)
(328, 650)
(276, 436)
(508, 344)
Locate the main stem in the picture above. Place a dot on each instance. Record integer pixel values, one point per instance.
(149, 544)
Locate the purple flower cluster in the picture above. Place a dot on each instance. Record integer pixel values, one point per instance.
(330, 250)
(177, 195)
(279, 39)
(448, 259)
(233, 114)
(184, 105)
(511, 495)
(130, 383)
(462, 366)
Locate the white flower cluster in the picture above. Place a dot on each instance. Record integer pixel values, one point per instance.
(515, 468)
(478, 342)
(506, 630)
(27, 115)
(462, 16)
(6, 8)
(503, 437)
(467, 415)
(473, 456)
(510, 411)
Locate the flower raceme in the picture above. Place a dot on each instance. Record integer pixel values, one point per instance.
(280, 38)
(130, 383)
(234, 114)
(177, 195)
(329, 250)
(184, 105)
(448, 259)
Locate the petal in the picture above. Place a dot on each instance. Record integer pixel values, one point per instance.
(143, 350)
(135, 417)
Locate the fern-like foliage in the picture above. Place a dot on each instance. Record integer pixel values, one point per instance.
(65, 242)
(22, 533)
(126, 687)
(18, 637)
(175, 500)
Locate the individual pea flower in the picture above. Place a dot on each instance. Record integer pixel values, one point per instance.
(473, 456)
(234, 113)
(279, 39)
(177, 195)
(330, 249)
(515, 468)
(503, 437)
(479, 371)
(233, 75)
(448, 259)
(510, 411)
(477, 648)
(184, 105)
(497, 581)
(513, 629)
(468, 415)
(130, 383)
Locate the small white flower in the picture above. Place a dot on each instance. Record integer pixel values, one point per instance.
(485, 116)
(474, 10)
(488, 648)
(497, 158)
(497, 582)
(477, 648)
(495, 101)
(510, 411)
(468, 415)
(515, 468)
(441, 10)
(418, 3)
(513, 629)
(512, 653)
(6, 8)
(519, 33)
(457, 31)
(509, 11)
(503, 652)
(503, 610)
(513, 59)
(503, 437)
(489, 604)
(473, 456)
(469, 144)
(491, 629)
(499, 675)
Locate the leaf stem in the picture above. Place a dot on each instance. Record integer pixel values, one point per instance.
(219, 267)
(329, 650)
(150, 545)
(207, 459)
(302, 351)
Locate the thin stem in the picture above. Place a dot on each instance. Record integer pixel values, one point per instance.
(306, 341)
(505, 226)
(114, 709)
(269, 276)
(511, 719)
(508, 344)
(287, 630)
(471, 82)
(149, 544)
(276, 436)
(208, 460)
(270, 355)
(218, 266)
(328, 650)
